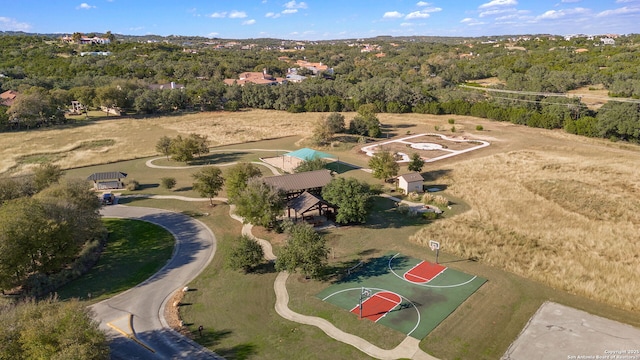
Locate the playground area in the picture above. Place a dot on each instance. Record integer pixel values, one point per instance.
(406, 294)
(430, 146)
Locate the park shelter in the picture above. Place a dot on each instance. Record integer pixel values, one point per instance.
(306, 204)
(107, 180)
(295, 184)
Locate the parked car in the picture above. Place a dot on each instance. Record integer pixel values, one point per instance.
(108, 199)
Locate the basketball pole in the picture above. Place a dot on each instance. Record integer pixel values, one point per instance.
(437, 252)
(361, 293)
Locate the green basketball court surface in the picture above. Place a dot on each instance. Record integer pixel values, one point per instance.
(425, 303)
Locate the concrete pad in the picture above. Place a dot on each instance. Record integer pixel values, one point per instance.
(560, 332)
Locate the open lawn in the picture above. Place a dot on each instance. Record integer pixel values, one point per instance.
(135, 250)
(550, 216)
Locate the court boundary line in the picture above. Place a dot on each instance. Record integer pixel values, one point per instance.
(372, 288)
(427, 284)
(418, 276)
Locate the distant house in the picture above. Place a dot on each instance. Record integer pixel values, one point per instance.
(411, 182)
(107, 180)
(170, 86)
(259, 78)
(8, 97)
(608, 41)
(86, 40)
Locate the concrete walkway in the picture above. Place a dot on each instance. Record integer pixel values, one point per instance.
(150, 164)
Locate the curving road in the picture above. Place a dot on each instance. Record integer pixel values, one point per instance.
(134, 319)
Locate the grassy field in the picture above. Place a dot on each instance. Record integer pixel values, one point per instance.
(547, 215)
(135, 250)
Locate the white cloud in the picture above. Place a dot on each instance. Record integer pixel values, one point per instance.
(85, 6)
(8, 24)
(296, 5)
(218, 15)
(422, 3)
(289, 11)
(417, 15)
(392, 15)
(272, 15)
(570, 1)
(466, 20)
(237, 14)
(557, 14)
(406, 24)
(496, 12)
(212, 34)
(249, 22)
(619, 11)
(624, 1)
(494, 3)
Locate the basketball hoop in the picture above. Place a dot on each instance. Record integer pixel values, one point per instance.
(435, 246)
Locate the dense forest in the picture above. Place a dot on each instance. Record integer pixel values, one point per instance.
(397, 75)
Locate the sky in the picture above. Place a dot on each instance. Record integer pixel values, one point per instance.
(321, 19)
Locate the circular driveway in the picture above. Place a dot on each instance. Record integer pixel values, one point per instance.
(134, 319)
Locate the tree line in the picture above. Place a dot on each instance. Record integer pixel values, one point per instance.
(413, 76)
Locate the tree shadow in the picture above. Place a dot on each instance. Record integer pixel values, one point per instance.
(211, 337)
(264, 268)
(435, 174)
(148, 186)
(184, 188)
(219, 158)
(238, 352)
(357, 271)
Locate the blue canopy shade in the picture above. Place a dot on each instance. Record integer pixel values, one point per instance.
(309, 154)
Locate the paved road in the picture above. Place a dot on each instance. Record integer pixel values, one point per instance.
(133, 319)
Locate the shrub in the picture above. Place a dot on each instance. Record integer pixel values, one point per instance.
(436, 128)
(441, 200)
(427, 198)
(479, 127)
(403, 209)
(133, 185)
(168, 182)
(451, 121)
(453, 129)
(429, 215)
(413, 196)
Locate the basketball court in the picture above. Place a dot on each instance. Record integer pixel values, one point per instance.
(406, 294)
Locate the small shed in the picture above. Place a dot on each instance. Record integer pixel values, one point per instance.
(107, 180)
(411, 182)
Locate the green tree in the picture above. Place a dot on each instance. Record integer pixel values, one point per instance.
(311, 165)
(352, 197)
(50, 329)
(208, 182)
(163, 146)
(245, 254)
(237, 178)
(335, 123)
(45, 175)
(185, 148)
(305, 250)
(416, 163)
(168, 182)
(259, 203)
(384, 165)
(322, 134)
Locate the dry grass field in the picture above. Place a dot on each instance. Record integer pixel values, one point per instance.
(111, 140)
